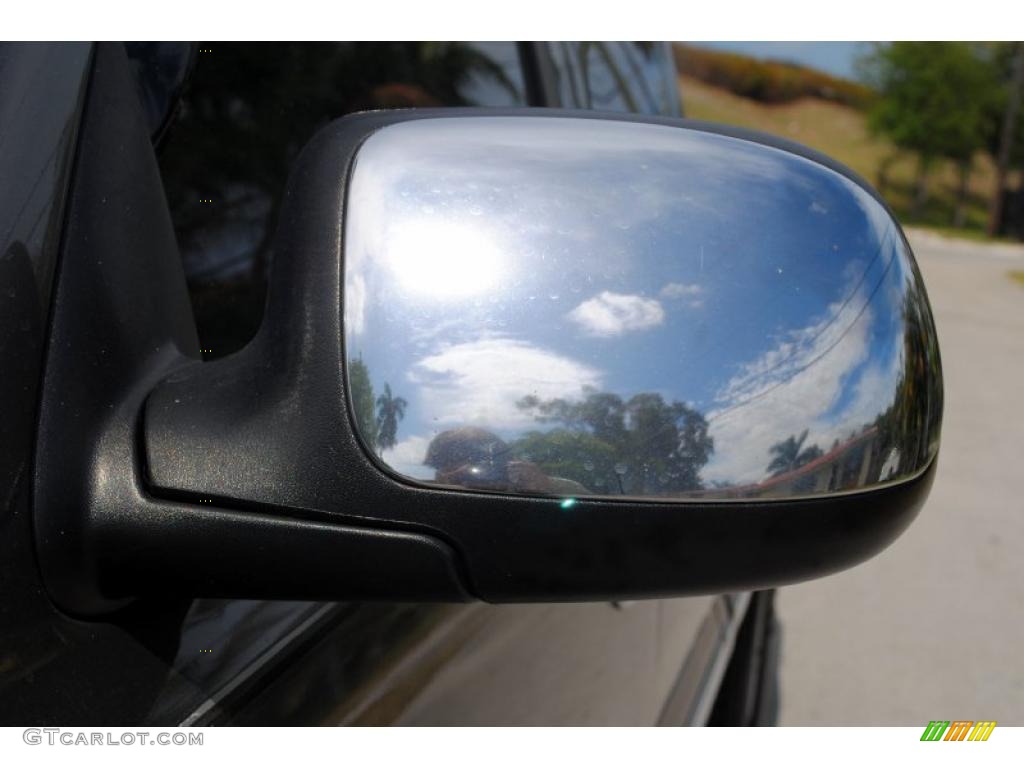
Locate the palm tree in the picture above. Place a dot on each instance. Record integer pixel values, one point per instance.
(789, 456)
(390, 411)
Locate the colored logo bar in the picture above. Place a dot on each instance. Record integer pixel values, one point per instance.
(958, 730)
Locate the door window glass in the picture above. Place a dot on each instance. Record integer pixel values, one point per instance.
(621, 77)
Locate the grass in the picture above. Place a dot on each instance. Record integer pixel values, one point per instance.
(1017, 276)
(767, 81)
(841, 132)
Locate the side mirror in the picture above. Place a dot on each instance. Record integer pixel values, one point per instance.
(516, 356)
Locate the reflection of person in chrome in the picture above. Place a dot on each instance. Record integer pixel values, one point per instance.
(471, 457)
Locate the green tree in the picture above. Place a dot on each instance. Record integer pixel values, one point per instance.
(363, 401)
(934, 99)
(1005, 128)
(790, 454)
(390, 411)
(571, 454)
(640, 446)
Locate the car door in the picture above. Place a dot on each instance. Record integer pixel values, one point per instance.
(226, 120)
(53, 668)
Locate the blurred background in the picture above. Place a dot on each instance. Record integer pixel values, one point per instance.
(934, 626)
(933, 125)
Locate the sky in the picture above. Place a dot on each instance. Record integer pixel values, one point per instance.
(836, 57)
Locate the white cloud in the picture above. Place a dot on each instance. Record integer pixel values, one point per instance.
(407, 457)
(680, 290)
(479, 383)
(688, 293)
(771, 408)
(795, 386)
(355, 304)
(613, 314)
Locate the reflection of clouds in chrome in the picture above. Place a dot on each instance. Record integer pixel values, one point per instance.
(407, 457)
(689, 293)
(520, 190)
(798, 349)
(541, 173)
(797, 385)
(355, 304)
(613, 314)
(480, 382)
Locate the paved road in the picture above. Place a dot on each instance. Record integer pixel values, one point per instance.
(933, 628)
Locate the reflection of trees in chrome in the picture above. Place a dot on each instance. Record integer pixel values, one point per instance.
(798, 470)
(472, 457)
(361, 391)
(910, 425)
(601, 444)
(376, 417)
(390, 411)
(789, 454)
(897, 443)
(643, 445)
(640, 446)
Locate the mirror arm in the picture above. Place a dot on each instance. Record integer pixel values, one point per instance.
(122, 322)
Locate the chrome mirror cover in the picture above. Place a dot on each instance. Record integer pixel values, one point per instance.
(588, 307)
